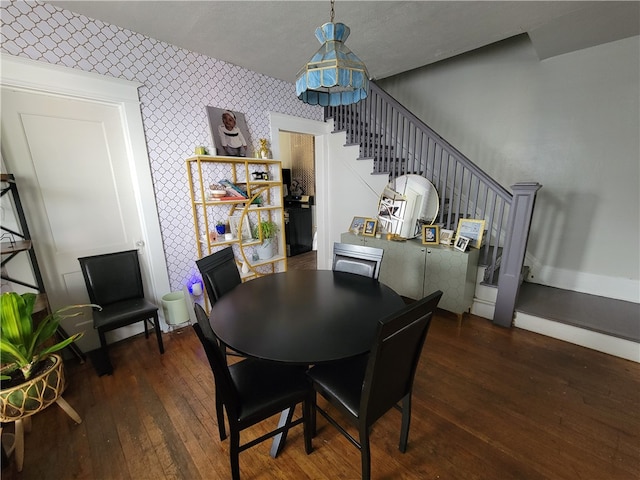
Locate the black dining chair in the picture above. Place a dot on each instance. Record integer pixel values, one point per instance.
(114, 282)
(366, 387)
(219, 272)
(253, 390)
(359, 259)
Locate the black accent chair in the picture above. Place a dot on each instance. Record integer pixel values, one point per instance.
(114, 282)
(366, 387)
(358, 259)
(253, 390)
(219, 273)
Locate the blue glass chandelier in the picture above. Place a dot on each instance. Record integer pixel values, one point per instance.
(334, 75)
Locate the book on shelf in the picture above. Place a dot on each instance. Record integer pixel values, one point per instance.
(233, 189)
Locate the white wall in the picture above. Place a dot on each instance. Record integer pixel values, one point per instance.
(351, 189)
(571, 123)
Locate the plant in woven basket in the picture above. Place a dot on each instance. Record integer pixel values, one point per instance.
(22, 347)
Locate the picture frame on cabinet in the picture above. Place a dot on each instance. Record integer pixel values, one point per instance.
(357, 225)
(461, 243)
(446, 236)
(472, 229)
(430, 234)
(370, 227)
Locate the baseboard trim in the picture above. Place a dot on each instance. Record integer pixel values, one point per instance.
(600, 342)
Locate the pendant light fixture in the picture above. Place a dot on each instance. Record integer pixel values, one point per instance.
(334, 75)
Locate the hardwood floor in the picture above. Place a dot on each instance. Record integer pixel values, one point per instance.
(489, 403)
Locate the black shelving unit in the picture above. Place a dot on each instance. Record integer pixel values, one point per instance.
(13, 243)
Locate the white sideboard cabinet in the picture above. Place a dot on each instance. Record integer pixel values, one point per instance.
(415, 270)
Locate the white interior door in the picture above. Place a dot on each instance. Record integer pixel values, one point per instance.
(71, 163)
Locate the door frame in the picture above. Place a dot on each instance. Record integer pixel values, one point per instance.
(44, 78)
(320, 130)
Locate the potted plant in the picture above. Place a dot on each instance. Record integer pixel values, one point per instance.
(266, 230)
(31, 376)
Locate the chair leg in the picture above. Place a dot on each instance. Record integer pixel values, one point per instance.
(105, 353)
(365, 453)
(146, 328)
(234, 452)
(220, 415)
(156, 325)
(406, 421)
(19, 444)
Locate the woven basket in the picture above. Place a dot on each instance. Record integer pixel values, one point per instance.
(35, 394)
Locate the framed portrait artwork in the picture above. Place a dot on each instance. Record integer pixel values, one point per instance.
(229, 133)
(472, 229)
(461, 243)
(430, 234)
(370, 227)
(446, 236)
(357, 225)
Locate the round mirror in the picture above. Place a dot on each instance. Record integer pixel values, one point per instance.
(407, 203)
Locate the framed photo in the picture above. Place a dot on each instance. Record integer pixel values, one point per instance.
(370, 227)
(229, 133)
(472, 229)
(446, 236)
(234, 227)
(357, 225)
(461, 243)
(430, 234)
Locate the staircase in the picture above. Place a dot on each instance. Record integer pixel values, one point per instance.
(399, 143)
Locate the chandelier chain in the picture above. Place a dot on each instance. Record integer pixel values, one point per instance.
(332, 10)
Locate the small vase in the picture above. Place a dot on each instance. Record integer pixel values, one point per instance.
(220, 229)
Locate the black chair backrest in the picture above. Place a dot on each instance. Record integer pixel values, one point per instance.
(112, 277)
(358, 259)
(224, 383)
(219, 273)
(394, 357)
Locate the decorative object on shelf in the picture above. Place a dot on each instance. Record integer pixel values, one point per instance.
(446, 236)
(263, 151)
(430, 234)
(334, 75)
(217, 192)
(243, 233)
(200, 150)
(461, 243)
(370, 227)
(266, 230)
(472, 229)
(357, 225)
(245, 268)
(221, 228)
(260, 175)
(229, 132)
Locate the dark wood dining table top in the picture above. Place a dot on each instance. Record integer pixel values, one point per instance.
(303, 316)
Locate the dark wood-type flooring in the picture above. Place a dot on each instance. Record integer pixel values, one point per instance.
(489, 403)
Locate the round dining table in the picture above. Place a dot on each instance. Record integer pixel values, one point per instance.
(303, 316)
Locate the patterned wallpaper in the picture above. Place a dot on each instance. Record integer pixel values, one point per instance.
(177, 85)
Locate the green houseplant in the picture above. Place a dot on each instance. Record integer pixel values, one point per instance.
(267, 230)
(23, 347)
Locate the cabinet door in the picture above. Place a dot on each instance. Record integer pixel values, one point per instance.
(454, 273)
(402, 266)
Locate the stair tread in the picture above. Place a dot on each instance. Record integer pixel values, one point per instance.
(613, 317)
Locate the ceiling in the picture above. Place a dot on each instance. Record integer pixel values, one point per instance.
(276, 38)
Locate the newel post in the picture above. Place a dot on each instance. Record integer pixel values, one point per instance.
(520, 213)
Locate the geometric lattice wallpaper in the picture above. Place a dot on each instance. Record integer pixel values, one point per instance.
(177, 86)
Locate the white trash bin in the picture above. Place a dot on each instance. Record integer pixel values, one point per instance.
(174, 306)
